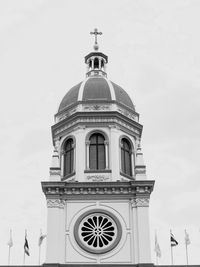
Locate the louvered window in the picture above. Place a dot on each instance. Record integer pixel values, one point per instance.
(68, 157)
(97, 152)
(126, 157)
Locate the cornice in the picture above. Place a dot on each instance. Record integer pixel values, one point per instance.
(89, 119)
(98, 190)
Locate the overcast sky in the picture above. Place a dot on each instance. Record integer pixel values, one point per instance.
(154, 54)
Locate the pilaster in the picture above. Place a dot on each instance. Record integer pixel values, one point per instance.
(55, 250)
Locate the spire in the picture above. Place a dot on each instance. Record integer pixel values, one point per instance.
(140, 168)
(95, 32)
(96, 61)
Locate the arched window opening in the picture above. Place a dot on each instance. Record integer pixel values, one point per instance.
(96, 63)
(126, 165)
(97, 159)
(68, 157)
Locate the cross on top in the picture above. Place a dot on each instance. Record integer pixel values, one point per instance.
(95, 32)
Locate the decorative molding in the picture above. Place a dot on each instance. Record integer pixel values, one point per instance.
(142, 202)
(97, 189)
(96, 107)
(54, 171)
(139, 202)
(66, 114)
(127, 114)
(98, 178)
(97, 120)
(55, 203)
(133, 203)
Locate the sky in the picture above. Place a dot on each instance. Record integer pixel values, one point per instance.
(153, 49)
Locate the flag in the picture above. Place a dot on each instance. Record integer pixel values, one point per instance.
(173, 241)
(157, 248)
(187, 239)
(10, 241)
(41, 238)
(26, 247)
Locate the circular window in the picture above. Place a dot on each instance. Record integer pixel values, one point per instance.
(97, 232)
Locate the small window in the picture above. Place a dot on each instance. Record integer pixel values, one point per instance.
(68, 157)
(97, 152)
(126, 165)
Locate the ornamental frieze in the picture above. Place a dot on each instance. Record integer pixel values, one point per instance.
(55, 203)
(139, 202)
(98, 178)
(96, 107)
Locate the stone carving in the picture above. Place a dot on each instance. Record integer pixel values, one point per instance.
(142, 202)
(96, 107)
(55, 203)
(139, 202)
(98, 178)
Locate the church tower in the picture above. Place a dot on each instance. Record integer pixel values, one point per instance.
(97, 194)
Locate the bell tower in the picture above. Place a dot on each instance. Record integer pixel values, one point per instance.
(98, 193)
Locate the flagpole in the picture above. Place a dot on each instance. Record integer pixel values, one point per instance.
(186, 249)
(9, 256)
(155, 249)
(172, 259)
(39, 248)
(24, 250)
(9, 245)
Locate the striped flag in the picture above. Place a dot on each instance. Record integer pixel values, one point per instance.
(26, 247)
(173, 241)
(187, 238)
(157, 247)
(41, 238)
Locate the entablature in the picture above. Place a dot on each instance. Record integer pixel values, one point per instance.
(98, 190)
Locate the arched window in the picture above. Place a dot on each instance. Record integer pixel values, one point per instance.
(97, 159)
(126, 165)
(68, 157)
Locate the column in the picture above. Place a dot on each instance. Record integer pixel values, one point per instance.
(62, 162)
(55, 248)
(107, 154)
(99, 63)
(87, 143)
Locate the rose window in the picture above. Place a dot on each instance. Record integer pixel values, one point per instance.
(97, 232)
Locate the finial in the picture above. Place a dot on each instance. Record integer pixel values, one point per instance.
(95, 32)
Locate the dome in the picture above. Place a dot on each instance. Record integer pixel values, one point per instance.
(96, 89)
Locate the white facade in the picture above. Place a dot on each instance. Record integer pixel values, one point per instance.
(97, 214)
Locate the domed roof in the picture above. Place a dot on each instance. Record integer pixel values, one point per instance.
(96, 88)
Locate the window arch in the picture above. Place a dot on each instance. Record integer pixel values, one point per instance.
(126, 162)
(68, 151)
(97, 157)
